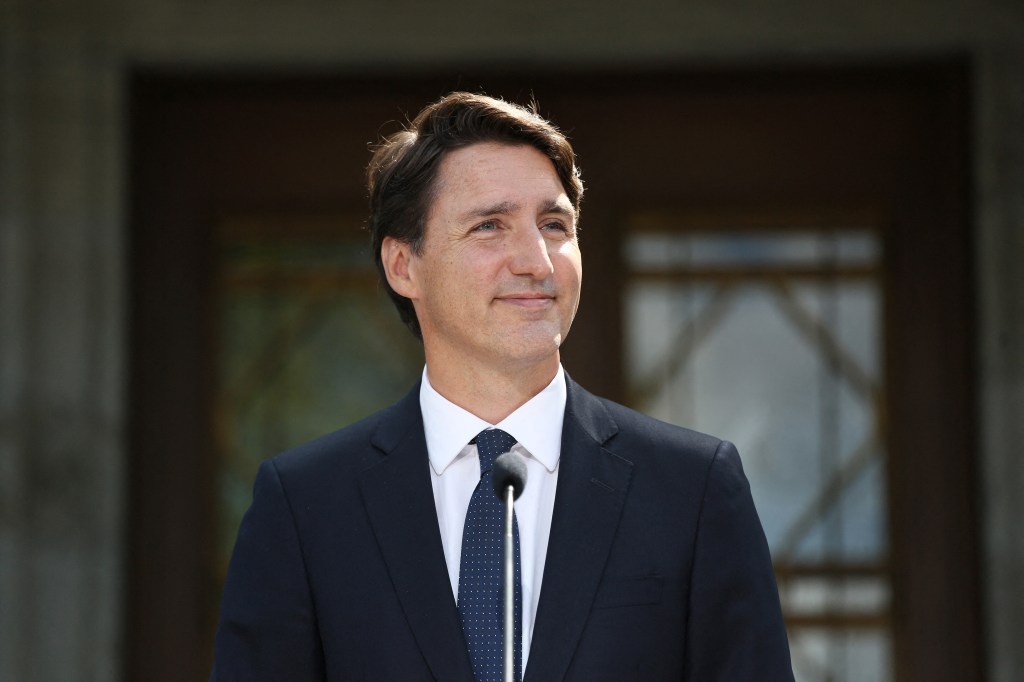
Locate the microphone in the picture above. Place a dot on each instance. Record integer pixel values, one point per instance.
(508, 470)
(509, 477)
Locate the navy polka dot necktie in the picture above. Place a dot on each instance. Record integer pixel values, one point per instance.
(480, 570)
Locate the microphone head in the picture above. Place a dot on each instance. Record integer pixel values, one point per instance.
(508, 470)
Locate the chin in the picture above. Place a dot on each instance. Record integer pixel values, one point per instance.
(532, 349)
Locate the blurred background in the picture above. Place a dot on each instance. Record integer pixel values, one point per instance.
(801, 233)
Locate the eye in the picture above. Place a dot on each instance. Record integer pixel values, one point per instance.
(486, 226)
(556, 226)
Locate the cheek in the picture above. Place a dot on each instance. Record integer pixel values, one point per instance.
(481, 274)
(568, 262)
(461, 286)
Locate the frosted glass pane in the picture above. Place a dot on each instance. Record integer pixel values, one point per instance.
(821, 655)
(299, 356)
(752, 248)
(790, 370)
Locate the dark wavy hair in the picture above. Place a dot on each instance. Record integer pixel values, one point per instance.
(402, 175)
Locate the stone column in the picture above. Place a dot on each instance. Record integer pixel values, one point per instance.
(62, 352)
(1000, 252)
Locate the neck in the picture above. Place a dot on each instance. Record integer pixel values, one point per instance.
(490, 393)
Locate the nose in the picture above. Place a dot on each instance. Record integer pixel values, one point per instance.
(529, 254)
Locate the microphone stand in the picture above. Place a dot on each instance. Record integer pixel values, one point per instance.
(509, 648)
(509, 478)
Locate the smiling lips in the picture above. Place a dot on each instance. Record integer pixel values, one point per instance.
(528, 299)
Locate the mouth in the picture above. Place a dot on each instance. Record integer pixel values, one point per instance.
(527, 299)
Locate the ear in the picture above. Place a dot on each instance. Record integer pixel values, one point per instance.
(396, 257)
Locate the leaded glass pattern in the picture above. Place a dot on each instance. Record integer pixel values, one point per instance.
(307, 343)
(772, 339)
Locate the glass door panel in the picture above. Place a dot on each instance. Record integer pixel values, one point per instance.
(307, 343)
(772, 339)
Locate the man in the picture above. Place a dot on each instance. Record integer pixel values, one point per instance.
(367, 554)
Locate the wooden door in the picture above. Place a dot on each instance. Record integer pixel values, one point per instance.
(246, 206)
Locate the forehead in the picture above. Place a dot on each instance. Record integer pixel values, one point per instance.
(489, 170)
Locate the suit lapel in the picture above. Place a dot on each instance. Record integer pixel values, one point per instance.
(592, 488)
(400, 504)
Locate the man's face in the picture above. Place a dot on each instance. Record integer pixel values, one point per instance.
(498, 279)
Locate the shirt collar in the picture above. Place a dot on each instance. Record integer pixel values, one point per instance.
(536, 425)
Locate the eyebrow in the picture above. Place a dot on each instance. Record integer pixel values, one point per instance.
(509, 207)
(501, 208)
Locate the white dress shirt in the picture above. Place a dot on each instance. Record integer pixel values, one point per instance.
(455, 472)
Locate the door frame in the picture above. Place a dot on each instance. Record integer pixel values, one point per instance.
(892, 137)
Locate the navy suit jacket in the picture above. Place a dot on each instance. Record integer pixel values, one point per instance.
(657, 566)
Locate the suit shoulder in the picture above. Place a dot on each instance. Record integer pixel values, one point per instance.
(669, 462)
(665, 448)
(633, 424)
(349, 448)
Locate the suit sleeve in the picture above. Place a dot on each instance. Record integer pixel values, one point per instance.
(735, 629)
(267, 628)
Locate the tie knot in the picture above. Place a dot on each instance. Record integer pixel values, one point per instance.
(490, 444)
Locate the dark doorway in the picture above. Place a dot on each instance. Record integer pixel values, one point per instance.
(247, 253)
